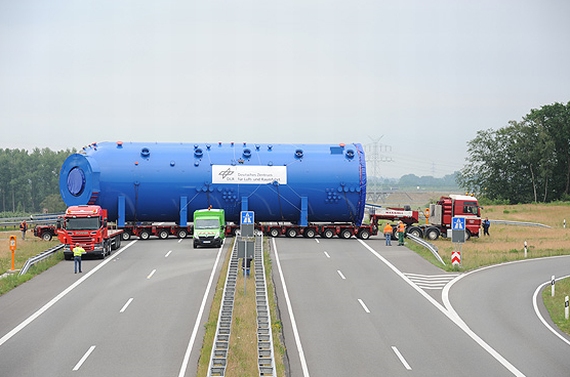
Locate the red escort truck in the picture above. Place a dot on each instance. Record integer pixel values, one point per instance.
(87, 225)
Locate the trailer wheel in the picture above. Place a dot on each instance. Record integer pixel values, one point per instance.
(364, 234)
(328, 233)
(432, 233)
(274, 232)
(291, 233)
(47, 236)
(345, 233)
(163, 234)
(415, 231)
(144, 235)
(126, 235)
(182, 233)
(309, 233)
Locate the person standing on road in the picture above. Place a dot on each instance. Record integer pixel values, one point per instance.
(24, 228)
(486, 224)
(78, 251)
(401, 232)
(388, 234)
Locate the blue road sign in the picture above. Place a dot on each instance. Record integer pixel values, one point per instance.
(458, 223)
(247, 217)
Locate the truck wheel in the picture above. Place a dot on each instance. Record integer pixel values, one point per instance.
(47, 236)
(309, 233)
(117, 244)
(182, 233)
(346, 234)
(195, 245)
(415, 231)
(126, 235)
(291, 233)
(144, 235)
(163, 234)
(432, 234)
(364, 234)
(328, 233)
(274, 232)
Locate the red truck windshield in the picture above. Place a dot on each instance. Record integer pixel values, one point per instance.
(83, 223)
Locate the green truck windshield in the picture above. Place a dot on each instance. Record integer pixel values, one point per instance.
(207, 224)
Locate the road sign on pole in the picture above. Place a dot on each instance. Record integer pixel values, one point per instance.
(458, 229)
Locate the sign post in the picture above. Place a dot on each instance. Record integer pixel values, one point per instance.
(13, 250)
(458, 238)
(246, 241)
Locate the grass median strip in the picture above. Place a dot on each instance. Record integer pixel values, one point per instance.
(242, 354)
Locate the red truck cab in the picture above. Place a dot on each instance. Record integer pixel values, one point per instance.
(87, 226)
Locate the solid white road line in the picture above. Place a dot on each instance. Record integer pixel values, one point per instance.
(126, 305)
(40, 311)
(80, 363)
(341, 275)
(364, 306)
(449, 312)
(397, 352)
(302, 359)
(186, 359)
(537, 312)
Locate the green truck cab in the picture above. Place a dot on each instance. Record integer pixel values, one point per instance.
(209, 227)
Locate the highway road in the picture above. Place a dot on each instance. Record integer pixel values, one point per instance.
(348, 307)
(355, 309)
(134, 314)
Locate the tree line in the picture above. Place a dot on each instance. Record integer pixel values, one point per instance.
(29, 181)
(526, 161)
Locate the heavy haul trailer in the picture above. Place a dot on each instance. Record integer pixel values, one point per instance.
(312, 189)
(167, 182)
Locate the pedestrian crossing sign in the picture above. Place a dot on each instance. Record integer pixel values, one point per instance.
(458, 223)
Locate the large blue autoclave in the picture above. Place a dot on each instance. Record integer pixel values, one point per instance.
(169, 181)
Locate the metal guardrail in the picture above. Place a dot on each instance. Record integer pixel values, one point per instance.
(519, 223)
(427, 245)
(47, 218)
(41, 256)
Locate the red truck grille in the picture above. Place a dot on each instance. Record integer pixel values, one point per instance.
(84, 241)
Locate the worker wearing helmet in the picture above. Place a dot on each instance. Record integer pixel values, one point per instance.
(388, 234)
(401, 232)
(78, 251)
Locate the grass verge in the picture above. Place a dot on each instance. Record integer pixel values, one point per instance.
(25, 249)
(555, 305)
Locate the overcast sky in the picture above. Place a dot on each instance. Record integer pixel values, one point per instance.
(417, 77)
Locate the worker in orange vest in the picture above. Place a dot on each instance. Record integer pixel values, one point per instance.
(401, 232)
(388, 234)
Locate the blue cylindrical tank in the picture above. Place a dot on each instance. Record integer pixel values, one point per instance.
(161, 181)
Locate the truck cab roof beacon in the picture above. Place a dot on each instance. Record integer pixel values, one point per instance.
(169, 181)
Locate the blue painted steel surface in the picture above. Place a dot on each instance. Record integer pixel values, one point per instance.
(149, 181)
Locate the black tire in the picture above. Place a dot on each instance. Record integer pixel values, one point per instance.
(416, 231)
(126, 235)
(309, 233)
(274, 232)
(144, 235)
(117, 243)
(182, 233)
(195, 244)
(364, 234)
(67, 256)
(467, 235)
(432, 233)
(47, 236)
(163, 234)
(328, 233)
(291, 232)
(345, 234)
